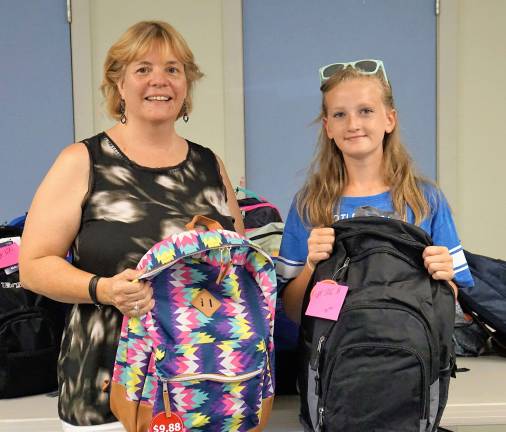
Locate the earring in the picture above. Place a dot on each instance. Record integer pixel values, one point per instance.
(122, 118)
(185, 113)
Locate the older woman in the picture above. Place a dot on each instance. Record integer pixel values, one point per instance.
(110, 198)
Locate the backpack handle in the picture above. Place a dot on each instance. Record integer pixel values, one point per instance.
(209, 223)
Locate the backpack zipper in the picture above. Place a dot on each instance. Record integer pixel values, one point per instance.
(200, 377)
(317, 363)
(156, 270)
(344, 266)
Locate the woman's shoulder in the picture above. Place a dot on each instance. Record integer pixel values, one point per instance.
(74, 155)
(200, 149)
(201, 154)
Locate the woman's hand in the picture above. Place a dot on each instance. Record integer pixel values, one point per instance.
(319, 245)
(133, 298)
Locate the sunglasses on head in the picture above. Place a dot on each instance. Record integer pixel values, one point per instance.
(365, 67)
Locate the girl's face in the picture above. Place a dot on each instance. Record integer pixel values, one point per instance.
(154, 86)
(357, 119)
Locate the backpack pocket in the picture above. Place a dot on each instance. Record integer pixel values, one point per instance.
(212, 386)
(367, 399)
(28, 354)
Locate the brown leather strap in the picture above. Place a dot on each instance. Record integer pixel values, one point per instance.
(211, 224)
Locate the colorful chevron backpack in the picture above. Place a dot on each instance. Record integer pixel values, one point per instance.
(205, 350)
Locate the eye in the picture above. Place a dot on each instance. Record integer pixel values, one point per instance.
(366, 111)
(338, 114)
(142, 70)
(172, 70)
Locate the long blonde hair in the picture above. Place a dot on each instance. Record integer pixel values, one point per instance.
(133, 44)
(327, 176)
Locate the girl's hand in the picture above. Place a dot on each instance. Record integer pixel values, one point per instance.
(438, 262)
(133, 298)
(319, 245)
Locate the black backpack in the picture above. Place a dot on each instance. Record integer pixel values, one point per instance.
(486, 300)
(30, 331)
(385, 364)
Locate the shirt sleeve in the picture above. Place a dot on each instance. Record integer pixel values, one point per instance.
(444, 233)
(293, 249)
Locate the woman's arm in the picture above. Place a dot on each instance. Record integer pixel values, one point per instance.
(52, 224)
(231, 199)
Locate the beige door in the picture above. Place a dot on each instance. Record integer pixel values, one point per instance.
(213, 30)
(472, 118)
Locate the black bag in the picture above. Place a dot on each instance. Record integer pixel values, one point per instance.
(30, 331)
(256, 210)
(385, 365)
(486, 300)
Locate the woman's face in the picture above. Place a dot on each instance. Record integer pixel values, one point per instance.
(357, 119)
(154, 87)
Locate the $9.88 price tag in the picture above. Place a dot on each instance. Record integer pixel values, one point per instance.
(162, 423)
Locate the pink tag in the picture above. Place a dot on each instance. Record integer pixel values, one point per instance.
(327, 298)
(9, 254)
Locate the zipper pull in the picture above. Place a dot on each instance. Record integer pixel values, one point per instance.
(317, 364)
(224, 267)
(166, 398)
(344, 266)
(321, 412)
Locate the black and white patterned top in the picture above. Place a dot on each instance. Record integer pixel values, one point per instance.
(128, 209)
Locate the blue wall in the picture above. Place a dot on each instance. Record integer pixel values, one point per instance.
(36, 119)
(284, 44)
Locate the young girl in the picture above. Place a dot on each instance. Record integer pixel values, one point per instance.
(362, 168)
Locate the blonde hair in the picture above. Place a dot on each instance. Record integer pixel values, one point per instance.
(327, 176)
(133, 44)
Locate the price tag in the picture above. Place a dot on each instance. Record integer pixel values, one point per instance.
(327, 298)
(162, 423)
(9, 254)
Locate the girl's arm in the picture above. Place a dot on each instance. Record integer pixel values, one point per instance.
(319, 244)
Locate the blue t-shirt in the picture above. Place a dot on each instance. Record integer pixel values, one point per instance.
(439, 225)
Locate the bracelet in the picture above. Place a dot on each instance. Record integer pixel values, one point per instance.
(311, 266)
(92, 290)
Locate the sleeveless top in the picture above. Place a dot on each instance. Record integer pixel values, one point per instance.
(127, 210)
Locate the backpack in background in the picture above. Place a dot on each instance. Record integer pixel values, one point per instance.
(264, 226)
(385, 364)
(205, 351)
(256, 210)
(31, 326)
(486, 300)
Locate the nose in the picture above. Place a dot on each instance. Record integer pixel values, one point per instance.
(353, 122)
(158, 78)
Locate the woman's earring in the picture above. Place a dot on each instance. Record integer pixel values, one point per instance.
(185, 113)
(122, 117)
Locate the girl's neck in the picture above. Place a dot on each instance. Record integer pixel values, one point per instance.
(364, 178)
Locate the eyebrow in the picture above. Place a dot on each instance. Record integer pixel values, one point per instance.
(170, 62)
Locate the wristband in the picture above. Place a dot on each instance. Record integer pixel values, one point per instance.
(311, 266)
(92, 290)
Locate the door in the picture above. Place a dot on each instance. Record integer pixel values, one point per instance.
(285, 42)
(213, 31)
(36, 119)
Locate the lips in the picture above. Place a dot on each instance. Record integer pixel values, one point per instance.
(354, 137)
(158, 98)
